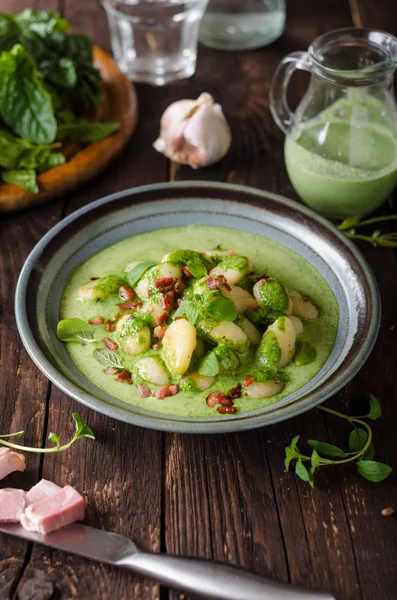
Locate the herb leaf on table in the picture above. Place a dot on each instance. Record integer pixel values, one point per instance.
(387, 240)
(361, 449)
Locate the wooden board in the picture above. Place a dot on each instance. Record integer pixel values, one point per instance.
(85, 162)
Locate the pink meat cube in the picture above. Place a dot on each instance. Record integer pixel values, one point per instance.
(60, 509)
(12, 505)
(11, 461)
(41, 490)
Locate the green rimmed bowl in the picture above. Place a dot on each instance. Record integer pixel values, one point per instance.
(149, 208)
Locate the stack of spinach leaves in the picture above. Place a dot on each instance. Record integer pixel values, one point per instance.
(47, 79)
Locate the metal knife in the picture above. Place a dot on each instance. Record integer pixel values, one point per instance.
(197, 577)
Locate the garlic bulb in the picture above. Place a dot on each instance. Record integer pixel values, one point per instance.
(194, 132)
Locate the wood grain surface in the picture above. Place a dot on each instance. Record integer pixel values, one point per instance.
(225, 496)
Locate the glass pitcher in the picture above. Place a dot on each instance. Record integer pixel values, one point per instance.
(341, 142)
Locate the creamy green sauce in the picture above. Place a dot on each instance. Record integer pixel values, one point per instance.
(268, 257)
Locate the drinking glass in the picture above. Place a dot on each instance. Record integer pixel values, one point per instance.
(242, 24)
(155, 41)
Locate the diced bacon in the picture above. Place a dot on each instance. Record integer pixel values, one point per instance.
(215, 398)
(161, 393)
(248, 380)
(164, 283)
(187, 273)
(143, 390)
(110, 344)
(167, 300)
(253, 308)
(126, 293)
(159, 332)
(42, 489)
(53, 512)
(10, 462)
(161, 319)
(215, 281)
(227, 410)
(235, 392)
(12, 505)
(179, 287)
(129, 305)
(96, 321)
(111, 370)
(155, 346)
(110, 326)
(173, 389)
(124, 377)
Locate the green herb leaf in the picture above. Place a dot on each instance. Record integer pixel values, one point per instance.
(76, 330)
(291, 452)
(375, 410)
(209, 365)
(304, 353)
(23, 178)
(82, 429)
(302, 472)
(315, 460)
(197, 268)
(349, 223)
(222, 309)
(357, 439)
(369, 453)
(327, 449)
(108, 358)
(25, 105)
(372, 470)
(53, 437)
(136, 273)
(85, 132)
(189, 309)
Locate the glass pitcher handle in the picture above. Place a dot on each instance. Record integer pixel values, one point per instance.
(278, 91)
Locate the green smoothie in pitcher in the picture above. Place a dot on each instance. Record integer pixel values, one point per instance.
(343, 162)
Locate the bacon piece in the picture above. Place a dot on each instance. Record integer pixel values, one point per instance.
(164, 283)
(227, 410)
(124, 377)
(62, 508)
(129, 305)
(42, 489)
(143, 390)
(248, 380)
(166, 390)
(179, 287)
(253, 308)
(12, 505)
(235, 392)
(215, 398)
(96, 321)
(126, 293)
(161, 319)
(187, 273)
(226, 401)
(11, 461)
(111, 370)
(159, 332)
(155, 346)
(173, 389)
(110, 344)
(215, 281)
(110, 325)
(167, 300)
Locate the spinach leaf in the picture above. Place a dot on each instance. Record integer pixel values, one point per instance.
(23, 178)
(25, 105)
(16, 153)
(83, 131)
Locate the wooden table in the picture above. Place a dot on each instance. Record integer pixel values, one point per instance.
(225, 497)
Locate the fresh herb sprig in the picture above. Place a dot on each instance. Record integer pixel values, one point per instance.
(361, 449)
(206, 306)
(377, 238)
(82, 430)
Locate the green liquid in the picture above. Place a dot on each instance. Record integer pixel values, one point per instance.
(268, 257)
(341, 166)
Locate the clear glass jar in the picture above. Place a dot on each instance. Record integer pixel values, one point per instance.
(341, 142)
(241, 25)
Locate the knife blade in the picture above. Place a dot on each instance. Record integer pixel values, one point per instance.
(198, 577)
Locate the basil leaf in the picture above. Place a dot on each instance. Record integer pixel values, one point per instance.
(209, 365)
(76, 330)
(192, 312)
(302, 472)
(304, 353)
(369, 453)
(23, 178)
(53, 437)
(357, 439)
(108, 358)
(85, 132)
(136, 273)
(25, 105)
(326, 449)
(291, 452)
(372, 470)
(9, 31)
(196, 268)
(315, 460)
(375, 410)
(82, 429)
(222, 309)
(43, 22)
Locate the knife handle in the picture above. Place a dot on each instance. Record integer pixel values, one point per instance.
(214, 580)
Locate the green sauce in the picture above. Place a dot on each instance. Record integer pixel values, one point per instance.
(268, 257)
(344, 162)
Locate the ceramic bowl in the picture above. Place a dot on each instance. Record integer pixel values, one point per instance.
(138, 210)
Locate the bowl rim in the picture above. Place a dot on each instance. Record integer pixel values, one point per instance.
(332, 384)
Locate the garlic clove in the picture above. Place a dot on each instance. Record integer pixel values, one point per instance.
(194, 132)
